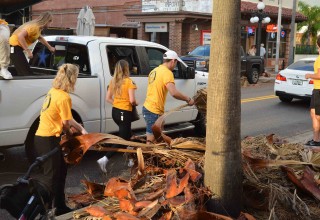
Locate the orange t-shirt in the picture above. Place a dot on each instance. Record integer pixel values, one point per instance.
(157, 90)
(122, 101)
(33, 31)
(55, 109)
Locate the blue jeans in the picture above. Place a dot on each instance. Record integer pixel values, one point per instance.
(150, 119)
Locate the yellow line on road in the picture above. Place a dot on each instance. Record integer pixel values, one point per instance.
(258, 98)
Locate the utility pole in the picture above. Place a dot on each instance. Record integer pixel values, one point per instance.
(276, 69)
(292, 32)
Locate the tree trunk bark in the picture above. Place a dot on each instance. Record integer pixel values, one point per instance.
(223, 166)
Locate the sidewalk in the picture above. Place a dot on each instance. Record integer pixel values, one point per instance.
(300, 138)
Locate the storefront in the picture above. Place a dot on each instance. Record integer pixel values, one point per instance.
(191, 22)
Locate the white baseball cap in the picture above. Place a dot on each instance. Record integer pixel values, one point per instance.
(171, 55)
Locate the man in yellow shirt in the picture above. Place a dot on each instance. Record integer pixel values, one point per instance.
(160, 81)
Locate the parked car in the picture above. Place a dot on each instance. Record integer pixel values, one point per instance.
(251, 66)
(291, 83)
(22, 97)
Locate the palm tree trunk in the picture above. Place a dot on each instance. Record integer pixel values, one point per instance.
(223, 168)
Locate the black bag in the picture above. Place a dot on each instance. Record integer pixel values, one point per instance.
(14, 197)
(134, 114)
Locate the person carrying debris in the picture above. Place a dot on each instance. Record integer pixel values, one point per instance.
(160, 81)
(315, 100)
(55, 118)
(4, 50)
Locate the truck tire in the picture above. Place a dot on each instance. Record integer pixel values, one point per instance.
(253, 76)
(200, 125)
(30, 141)
(285, 99)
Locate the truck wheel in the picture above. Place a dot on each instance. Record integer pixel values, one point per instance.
(30, 141)
(285, 99)
(200, 125)
(253, 76)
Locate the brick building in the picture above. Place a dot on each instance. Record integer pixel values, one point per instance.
(180, 25)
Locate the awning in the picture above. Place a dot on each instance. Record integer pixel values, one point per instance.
(10, 6)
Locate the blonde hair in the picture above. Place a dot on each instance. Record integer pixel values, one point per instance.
(121, 71)
(66, 77)
(43, 19)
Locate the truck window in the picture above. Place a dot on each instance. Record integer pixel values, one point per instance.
(45, 62)
(155, 56)
(116, 53)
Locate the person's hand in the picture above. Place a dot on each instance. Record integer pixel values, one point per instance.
(190, 102)
(29, 54)
(52, 49)
(83, 131)
(307, 76)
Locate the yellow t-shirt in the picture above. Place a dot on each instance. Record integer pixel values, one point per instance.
(316, 67)
(33, 31)
(157, 90)
(122, 101)
(56, 108)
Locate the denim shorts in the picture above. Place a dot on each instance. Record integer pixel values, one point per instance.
(150, 119)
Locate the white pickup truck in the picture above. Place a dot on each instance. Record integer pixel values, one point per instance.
(21, 98)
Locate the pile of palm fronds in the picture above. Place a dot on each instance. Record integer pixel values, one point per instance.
(281, 178)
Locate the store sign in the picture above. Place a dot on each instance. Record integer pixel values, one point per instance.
(271, 28)
(156, 27)
(203, 6)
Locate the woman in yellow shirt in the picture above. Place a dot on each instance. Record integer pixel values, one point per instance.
(23, 37)
(121, 94)
(55, 118)
(315, 100)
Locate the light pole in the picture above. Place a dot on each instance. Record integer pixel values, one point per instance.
(261, 18)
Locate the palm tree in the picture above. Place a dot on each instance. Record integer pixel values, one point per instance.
(313, 22)
(223, 168)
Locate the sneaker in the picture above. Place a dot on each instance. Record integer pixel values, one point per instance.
(313, 143)
(62, 210)
(102, 162)
(5, 73)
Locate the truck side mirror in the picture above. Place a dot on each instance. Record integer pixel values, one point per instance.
(189, 73)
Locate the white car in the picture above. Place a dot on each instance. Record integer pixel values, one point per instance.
(291, 83)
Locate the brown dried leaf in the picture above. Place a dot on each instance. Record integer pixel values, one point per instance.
(119, 188)
(306, 182)
(94, 189)
(124, 216)
(97, 211)
(166, 216)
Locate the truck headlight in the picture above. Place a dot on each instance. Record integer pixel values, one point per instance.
(201, 64)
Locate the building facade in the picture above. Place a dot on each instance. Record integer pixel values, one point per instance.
(180, 25)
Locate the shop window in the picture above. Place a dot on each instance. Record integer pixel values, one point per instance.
(116, 53)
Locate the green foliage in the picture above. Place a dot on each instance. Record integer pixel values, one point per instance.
(306, 49)
(313, 22)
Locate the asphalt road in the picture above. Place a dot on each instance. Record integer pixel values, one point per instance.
(262, 113)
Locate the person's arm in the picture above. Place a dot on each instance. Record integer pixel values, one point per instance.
(132, 97)
(109, 96)
(22, 40)
(313, 76)
(44, 42)
(68, 124)
(178, 95)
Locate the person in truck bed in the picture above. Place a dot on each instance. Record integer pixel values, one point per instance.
(55, 118)
(23, 37)
(4, 49)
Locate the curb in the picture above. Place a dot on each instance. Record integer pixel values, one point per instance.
(300, 138)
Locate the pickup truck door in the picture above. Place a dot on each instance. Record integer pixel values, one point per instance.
(141, 61)
(154, 57)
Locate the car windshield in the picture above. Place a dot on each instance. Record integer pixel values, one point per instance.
(201, 51)
(305, 65)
